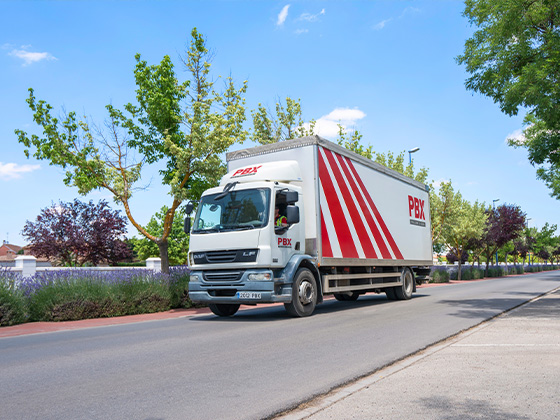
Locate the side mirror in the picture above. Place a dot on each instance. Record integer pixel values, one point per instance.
(291, 197)
(187, 225)
(292, 214)
(189, 208)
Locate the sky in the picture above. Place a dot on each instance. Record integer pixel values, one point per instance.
(385, 68)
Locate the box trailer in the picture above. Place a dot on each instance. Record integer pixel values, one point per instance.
(297, 220)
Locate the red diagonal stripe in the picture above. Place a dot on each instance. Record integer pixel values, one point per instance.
(355, 217)
(367, 213)
(325, 242)
(380, 220)
(340, 226)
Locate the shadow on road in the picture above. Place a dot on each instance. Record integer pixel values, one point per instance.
(467, 409)
(486, 308)
(278, 313)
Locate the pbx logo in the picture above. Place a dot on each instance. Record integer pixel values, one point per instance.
(417, 206)
(246, 171)
(284, 242)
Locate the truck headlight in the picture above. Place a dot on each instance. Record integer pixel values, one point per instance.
(194, 278)
(258, 276)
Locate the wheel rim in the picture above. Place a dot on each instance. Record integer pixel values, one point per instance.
(306, 292)
(408, 283)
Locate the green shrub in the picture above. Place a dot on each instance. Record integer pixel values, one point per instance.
(12, 302)
(495, 272)
(440, 275)
(75, 294)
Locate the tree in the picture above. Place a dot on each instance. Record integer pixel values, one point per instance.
(179, 241)
(397, 163)
(451, 256)
(77, 233)
(465, 222)
(505, 223)
(284, 124)
(514, 58)
(287, 123)
(185, 126)
(444, 202)
(545, 241)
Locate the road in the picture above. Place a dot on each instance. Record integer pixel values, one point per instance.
(253, 365)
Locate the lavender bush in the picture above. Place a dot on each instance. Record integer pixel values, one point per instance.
(61, 295)
(12, 301)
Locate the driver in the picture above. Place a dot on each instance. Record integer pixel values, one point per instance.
(279, 220)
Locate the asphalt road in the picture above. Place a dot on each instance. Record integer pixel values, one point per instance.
(253, 365)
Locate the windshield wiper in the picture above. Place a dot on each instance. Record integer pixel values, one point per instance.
(245, 227)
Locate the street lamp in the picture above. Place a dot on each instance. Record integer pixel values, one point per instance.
(410, 152)
(528, 234)
(494, 206)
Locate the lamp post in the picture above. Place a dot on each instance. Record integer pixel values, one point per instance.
(529, 251)
(494, 206)
(410, 152)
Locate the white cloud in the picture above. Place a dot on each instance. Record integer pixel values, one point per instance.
(301, 31)
(516, 136)
(30, 57)
(438, 183)
(409, 11)
(327, 125)
(382, 24)
(282, 15)
(345, 115)
(311, 18)
(13, 170)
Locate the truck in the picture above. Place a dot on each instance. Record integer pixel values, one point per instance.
(296, 221)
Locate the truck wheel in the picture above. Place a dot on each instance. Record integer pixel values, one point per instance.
(304, 294)
(224, 309)
(347, 296)
(404, 292)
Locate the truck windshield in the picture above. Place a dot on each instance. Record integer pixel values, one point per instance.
(237, 210)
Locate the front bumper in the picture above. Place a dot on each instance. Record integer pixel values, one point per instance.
(242, 291)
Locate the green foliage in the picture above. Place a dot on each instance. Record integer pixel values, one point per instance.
(87, 295)
(495, 272)
(89, 299)
(545, 239)
(186, 126)
(397, 163)
(468, 273)
(514, 58)
(286, 123)
(179, 240)
(440, 275)
(353, 142)
(12, 303)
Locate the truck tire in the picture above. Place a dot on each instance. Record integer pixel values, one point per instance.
(347, 296)
(404, 292)
(224, 309)
(304, 294)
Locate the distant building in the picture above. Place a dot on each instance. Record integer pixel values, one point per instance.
(9, 251)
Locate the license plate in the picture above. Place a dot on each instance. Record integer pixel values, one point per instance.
(248, 295)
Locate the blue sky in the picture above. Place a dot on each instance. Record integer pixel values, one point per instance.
(386, 68)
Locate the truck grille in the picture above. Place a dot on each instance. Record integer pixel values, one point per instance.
(216, 257)
(225, 256)
(230, 276)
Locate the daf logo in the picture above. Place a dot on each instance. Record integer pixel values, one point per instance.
(198, 256)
